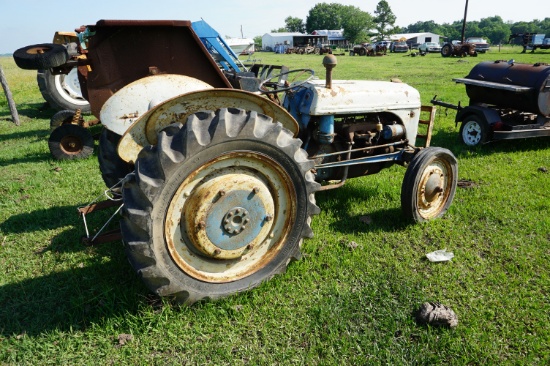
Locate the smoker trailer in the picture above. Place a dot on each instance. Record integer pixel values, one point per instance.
(508, 100)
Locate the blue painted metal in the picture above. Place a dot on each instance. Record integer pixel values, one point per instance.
(326, 129)
(298, 105)
(217, 47)
(216, 228)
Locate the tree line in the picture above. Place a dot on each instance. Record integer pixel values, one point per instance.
(361, 26)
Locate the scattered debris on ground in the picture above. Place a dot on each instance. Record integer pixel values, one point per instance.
(436, 314)
(441, 255)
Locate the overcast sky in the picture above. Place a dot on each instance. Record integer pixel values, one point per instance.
(26, 22)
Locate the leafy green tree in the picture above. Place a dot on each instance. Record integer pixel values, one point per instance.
(422, 27)
(355, 24)
(324, 16)
(384, 20)
(258, 40)
(294, 24)
(279, 30)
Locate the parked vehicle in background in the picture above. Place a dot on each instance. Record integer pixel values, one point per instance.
(429, 47)
(481, 45)
(532, 41)
(458, 49)
(381, 47)
(400, 46)
(62, 90)
(363, 49)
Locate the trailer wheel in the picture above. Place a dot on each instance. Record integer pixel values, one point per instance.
(62, 91)
(447, 50)
(218, 206)
(429, 184)
(474, 131)
(41, 56)
(112, 167)
(71, 142)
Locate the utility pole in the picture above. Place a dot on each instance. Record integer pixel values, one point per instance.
(11, 103)
(464, 21)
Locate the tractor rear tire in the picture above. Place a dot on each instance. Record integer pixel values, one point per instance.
(447, 50)
(62, 91)
(71, 142)
(429, 185)
(41, 56)
(218, 206)
(112, 167)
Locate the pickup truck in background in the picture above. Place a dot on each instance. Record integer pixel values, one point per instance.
(481, 45)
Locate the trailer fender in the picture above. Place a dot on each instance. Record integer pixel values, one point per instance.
(488, 114)
(143, 132)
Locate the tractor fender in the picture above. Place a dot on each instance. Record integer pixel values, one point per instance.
(124, 107)
(488, 114)
(143, 132)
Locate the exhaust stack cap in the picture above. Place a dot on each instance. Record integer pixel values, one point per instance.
(329, 62)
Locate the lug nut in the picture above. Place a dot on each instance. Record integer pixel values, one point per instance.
(221, 192)
(249, 246)
(217, 252)
(256, 190)
(268, 218)
(201, 225)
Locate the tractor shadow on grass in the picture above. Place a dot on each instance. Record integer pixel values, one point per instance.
(99, 284)
(58, 217)
(339, 201)
(32, 158)
(35, 135)
(70, 300)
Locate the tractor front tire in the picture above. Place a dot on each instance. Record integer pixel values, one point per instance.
(429, 185)
(218, 206)
(71, 142)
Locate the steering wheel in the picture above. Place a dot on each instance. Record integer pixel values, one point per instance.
(283, 85)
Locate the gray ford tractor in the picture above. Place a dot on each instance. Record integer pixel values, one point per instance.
(217, 164)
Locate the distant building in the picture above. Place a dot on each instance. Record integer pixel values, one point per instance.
(414, 39)
(279, 42)
(334, 37)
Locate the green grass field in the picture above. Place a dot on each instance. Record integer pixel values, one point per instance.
(64, 303)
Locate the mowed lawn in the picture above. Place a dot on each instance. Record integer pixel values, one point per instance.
(349, 300)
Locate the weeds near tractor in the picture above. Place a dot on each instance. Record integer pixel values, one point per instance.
(349, 300)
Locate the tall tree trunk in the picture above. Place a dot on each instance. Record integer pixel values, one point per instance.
(11, 103)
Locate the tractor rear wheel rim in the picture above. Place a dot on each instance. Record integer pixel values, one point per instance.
(230, 217)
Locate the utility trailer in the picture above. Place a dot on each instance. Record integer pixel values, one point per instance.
(508, 100)
(214, 167)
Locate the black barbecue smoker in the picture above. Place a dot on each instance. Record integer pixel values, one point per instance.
(508, 100)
